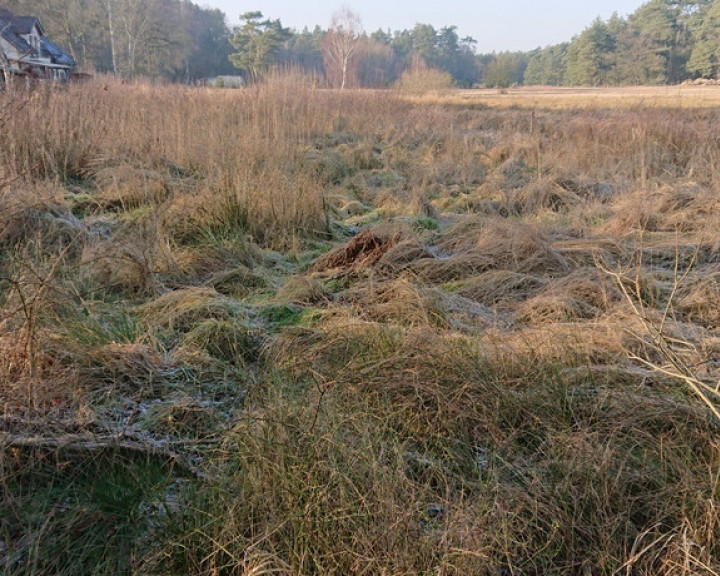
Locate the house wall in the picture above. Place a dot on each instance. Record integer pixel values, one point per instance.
(10, 51)
(33, 38)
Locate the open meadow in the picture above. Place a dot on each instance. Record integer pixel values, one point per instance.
(284, 330)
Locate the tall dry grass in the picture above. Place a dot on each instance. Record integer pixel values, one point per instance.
(251, 148)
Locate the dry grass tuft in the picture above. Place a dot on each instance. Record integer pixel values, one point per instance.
(481, 245)
(498, 288)
(37, 213)
(182, 418)
(580, 295)
(400, 301)
(233, 342)
(124, 188)
(403, 254)
(237, 282)
(303, 290)
(542, 195)
(699, 301)
(364, 250)
(133, 261)
(181, 310)
(133, 368)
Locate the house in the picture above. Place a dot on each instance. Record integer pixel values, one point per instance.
(225, 81)
(26, 51)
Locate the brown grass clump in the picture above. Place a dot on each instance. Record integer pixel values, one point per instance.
(542, 195)
(631, 214)
(232, 342)
(194, 215)
(401, 302)
(339, 339)
(686, 207)
(130, 368)
(303, 290)
(364, 250)
(238, 282)
(575, 343)
(274, 214)
(182, 418)
(548, 308)
(580, 295)
(512, 174)
(699, 300)
(37, 213)
(479, 246)
(124, 188)
(502, 288)
(181, 310)
(133, 261)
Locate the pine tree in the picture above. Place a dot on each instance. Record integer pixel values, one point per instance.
(590, 56)
(257, 43)
(705, 57)
(547, 66)
(648, 43)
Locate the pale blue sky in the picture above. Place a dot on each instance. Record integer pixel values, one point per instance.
(496, 24)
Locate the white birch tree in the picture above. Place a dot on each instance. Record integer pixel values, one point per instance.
(341, 44)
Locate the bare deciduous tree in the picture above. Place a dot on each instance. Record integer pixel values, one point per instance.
(341, 43)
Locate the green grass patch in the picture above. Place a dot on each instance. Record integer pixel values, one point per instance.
(68, 513)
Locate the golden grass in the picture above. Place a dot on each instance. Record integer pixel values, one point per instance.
(561, 98)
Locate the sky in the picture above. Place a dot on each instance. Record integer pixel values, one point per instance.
(497, 25)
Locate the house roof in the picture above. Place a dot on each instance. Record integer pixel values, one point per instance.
(12, 29)
(22, 24)
(10, 33)
(25, 24)
(55, 53)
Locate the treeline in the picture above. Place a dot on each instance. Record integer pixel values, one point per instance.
(345, 56)
(663, 42)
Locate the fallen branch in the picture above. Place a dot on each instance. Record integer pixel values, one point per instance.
(85, 443)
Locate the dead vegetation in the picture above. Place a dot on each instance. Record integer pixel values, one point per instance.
(344, 333)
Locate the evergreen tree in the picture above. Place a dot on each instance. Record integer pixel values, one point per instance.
(546, 67)
(591, 56)
(304, 51)
(705, 57)
(456, 56)
(257, 42)
(424, 43)
(648, 44)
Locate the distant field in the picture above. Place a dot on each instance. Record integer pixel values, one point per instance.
(684, 96)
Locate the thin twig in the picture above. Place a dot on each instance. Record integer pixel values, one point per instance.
(665, 345)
